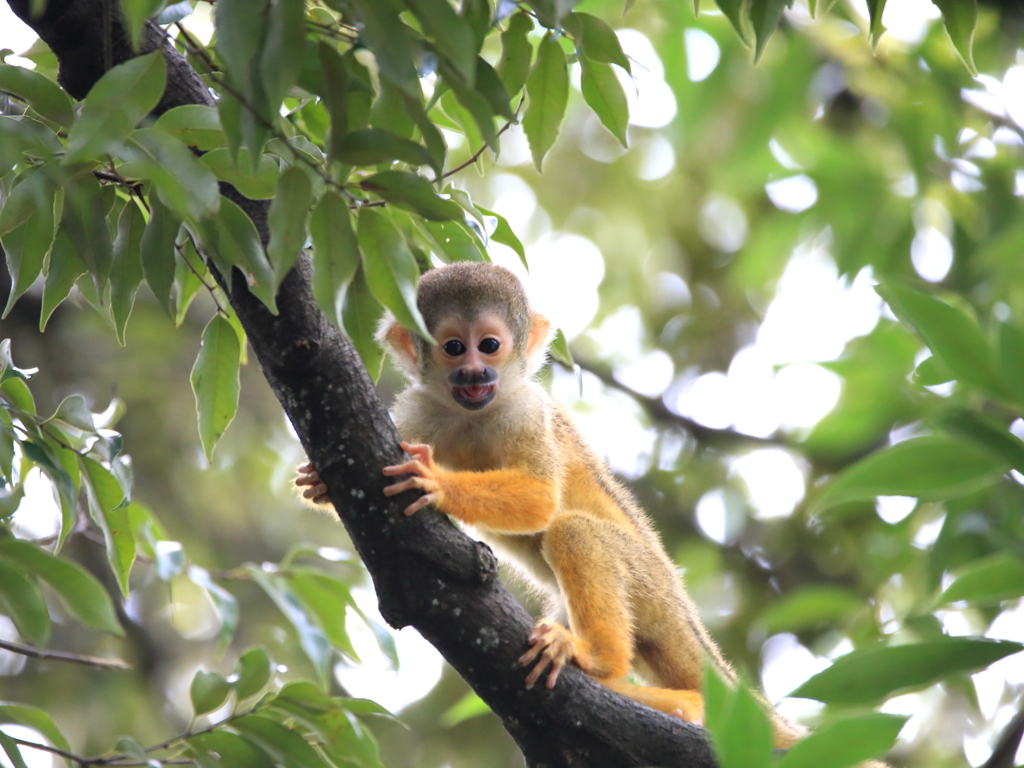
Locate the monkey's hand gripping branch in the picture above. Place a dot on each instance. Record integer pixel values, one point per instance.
(509, 500)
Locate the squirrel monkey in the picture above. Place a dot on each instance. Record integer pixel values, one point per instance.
(489, 447)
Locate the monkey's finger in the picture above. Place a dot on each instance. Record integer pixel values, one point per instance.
(415, 449)
(538, 670)
(556, 667)
(530, 655)
(309, 479)
(405, 485)
(315, 492)
(306, 468)
(677, 713)
(408, 467)
(420, 503)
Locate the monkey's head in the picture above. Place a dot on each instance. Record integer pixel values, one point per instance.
(488, 338)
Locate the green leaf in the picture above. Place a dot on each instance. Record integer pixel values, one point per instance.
(335, 254)
(26, 247)
(126, 270)
(412, 193)
(231, 239)
(73, 410)
(960, 18)
(278, 64)
(452, 36)
(189, 272)
(311, 637)
(19, 394)
(986, 433)
(454, 242)
(328, 599)
(37, 719)
(952, 336)
(476, 105)
(809, 607)
(115, 105)
(388, 111)
(929, 468)
(215, 381)
(23, 603)
(490, 85)
(258, 184)
(106, 495)
(64, 268)
(335, 95)
(287, 220)
(85, 219)
(371, 146)
(241, 28)
(868, 676)
(932, 371)
(286, 746)
(390, 42)
(106, 490)
(183, 183)
(597, 40)
(195, 125)
(36, 190)
(516, 52)
(223, 602)
(988, 581)
(44, 96)
(548, 89)
(846, 742)
(230, 750)
(390, 269)
(361, 313)
(157, 249)
(603, 92)
(739, 727)
(875, 8)
(738, 13)
(22, 139)
(466, 708)
(209, 690)
(11, 749)
(254, 670)
(560, 349)
(135, 13)
(764, 17)
(503, 234)
(1010, 355)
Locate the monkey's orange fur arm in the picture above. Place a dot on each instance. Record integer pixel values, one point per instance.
(501, 500)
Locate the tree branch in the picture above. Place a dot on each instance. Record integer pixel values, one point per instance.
(427, 573)
(75, 658)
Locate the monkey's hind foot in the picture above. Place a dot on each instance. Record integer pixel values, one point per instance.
(312, 490)
(552, 645)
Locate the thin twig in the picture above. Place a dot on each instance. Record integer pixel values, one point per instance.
(479, 152)
(54, 750)
(74, 658)
(656, 408)
(207, 286)
(189, 734)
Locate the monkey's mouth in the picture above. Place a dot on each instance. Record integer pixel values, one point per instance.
(474, 396)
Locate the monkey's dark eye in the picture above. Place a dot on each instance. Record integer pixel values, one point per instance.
(454, 348)
(489, 346)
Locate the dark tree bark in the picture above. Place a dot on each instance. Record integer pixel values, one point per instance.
(427, 573)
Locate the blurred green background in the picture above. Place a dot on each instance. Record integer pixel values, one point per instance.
(714, 281)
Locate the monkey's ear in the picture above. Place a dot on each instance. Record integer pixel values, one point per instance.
(395, 339)
(537, 343)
